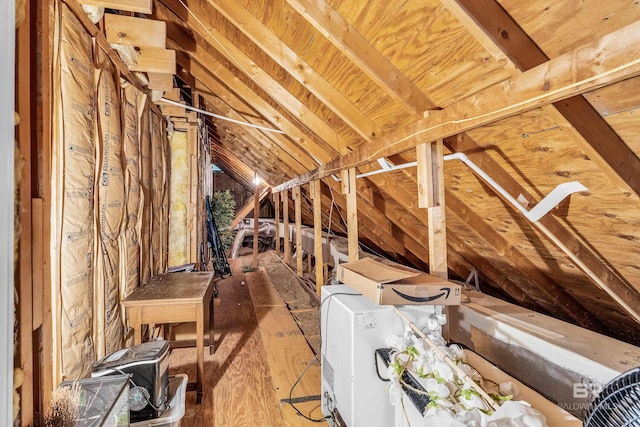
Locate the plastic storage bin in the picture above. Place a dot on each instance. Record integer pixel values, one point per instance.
(103, 402)
(170, 417)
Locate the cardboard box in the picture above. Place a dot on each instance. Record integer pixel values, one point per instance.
(388, 285)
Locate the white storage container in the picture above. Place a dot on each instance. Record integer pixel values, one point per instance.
(172, 416)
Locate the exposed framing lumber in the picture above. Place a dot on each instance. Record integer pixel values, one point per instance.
(24, 97)
(103, 43)
(256, 225)
(172, 10)
(297, 199)
(48, 367)
(316, 196)
(278, 144)
(350, 191)
(296, 67)
(603, 144)
(268, 84)
(285, 220)
(568, 75)
(276, 204)
(128, 30)
(141, 6)
(431, 196)
(366, 57)
(304, 146)
(249, 206)
(457, 246)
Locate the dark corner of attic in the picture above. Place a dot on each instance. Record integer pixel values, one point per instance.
(198, 242)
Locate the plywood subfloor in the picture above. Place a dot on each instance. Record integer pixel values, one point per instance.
(259, 354)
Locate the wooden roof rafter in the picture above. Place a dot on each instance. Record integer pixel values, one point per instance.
(203, 66)
(226, 48)
(595, 136)
(555, 80)
(262, 36)
(352, 44)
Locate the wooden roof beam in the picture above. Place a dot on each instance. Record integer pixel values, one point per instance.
(202, 65)
(601, 143)
(219, 107)
(262, 36)
(268, 84)
(364, 55)
(232, 106)
(563, 77)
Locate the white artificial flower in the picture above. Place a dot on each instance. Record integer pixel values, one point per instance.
(435, 321)
(458, 353)
(396, 342)
(472, 401)
(436, 390)
(443, 371)
(395, 393)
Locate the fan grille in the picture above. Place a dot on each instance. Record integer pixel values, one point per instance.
(618, 405)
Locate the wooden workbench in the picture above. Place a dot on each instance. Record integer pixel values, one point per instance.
(171, 298)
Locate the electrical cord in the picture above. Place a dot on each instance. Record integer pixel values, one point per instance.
(315, 359)
(136, 386)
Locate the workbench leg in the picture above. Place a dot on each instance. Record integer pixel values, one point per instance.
(200, 351)
(212, 341)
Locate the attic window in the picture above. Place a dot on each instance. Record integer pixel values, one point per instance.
(215, 169)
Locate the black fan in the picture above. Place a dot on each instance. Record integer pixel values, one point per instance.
(618, 404)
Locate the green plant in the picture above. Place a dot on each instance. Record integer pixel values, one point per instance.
(223, 209)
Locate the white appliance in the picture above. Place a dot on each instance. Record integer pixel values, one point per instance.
(352, 328)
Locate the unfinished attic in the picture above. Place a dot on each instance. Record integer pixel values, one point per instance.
(431, 213)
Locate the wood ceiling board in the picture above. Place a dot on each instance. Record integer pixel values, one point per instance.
(262, 107)
(280, 52)
(627, 125)
(255, 73)
(558, 27)
(599, 271)
(352, 44)
(592, 133)
(228, 98)
(560, 161)
(617, 98)
(248, 94)
(216, 105)
(555, 80)
(429, 45)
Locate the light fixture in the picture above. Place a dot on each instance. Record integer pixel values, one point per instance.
(256, 180)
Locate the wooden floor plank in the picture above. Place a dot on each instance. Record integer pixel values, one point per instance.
(263, 293)
(260, 352)
(238, 389)
(287, 352)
